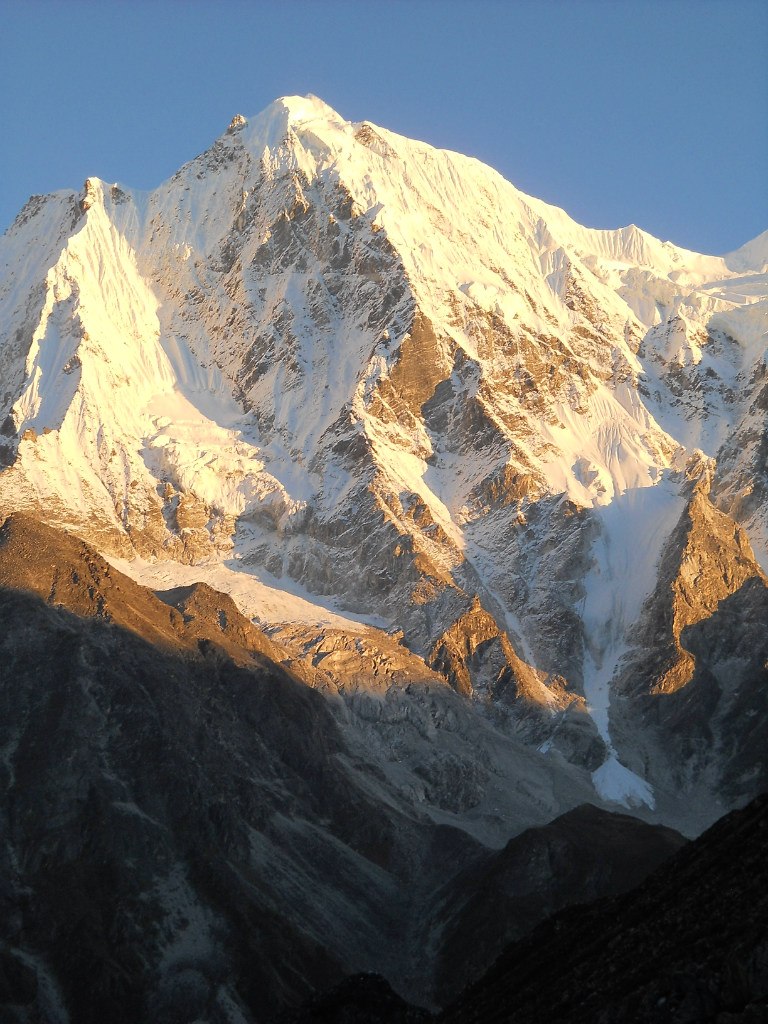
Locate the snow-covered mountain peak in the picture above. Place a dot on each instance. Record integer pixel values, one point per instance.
(306, 108)
(476, 258)
(752, 256)
(348, 363)
(298, 114)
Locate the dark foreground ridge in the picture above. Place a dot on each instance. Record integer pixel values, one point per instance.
(687, 946)
(186, 836)
(360, 999)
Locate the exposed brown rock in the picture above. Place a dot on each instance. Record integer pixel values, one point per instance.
(690, 710)
(507, 486)
(191, 513)
(65, 571)
(477, 657)
(422, 363)
(455, 649)
(707, 558)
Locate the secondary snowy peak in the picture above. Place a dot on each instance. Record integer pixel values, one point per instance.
(329, 359)
(753, 256)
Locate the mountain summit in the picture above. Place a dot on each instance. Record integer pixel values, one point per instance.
(362, 384)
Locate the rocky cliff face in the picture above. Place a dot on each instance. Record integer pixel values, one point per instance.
(690, 690)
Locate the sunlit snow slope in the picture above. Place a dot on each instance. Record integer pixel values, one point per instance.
(330, 356)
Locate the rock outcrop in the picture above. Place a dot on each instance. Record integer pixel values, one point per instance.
(689, 705)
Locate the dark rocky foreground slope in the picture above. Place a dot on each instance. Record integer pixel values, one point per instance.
(687, 946)
(502, 897)
(186, 835)
(183, 830)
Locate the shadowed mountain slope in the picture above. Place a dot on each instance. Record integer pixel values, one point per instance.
(687, 946)
(580, 855)
(186, 832)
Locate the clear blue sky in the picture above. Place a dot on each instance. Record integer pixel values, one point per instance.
(646, 111)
